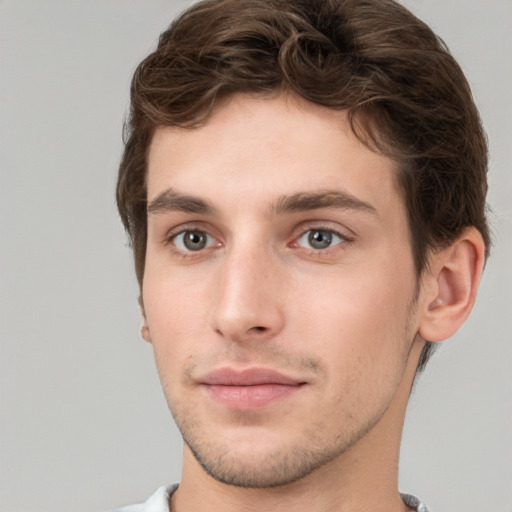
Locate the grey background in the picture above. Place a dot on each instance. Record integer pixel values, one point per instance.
(83, 424)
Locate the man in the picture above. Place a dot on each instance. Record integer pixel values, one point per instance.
(304, 187)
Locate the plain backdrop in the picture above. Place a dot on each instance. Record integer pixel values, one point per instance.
(83, 423)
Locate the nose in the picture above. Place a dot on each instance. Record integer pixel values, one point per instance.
(249, 300)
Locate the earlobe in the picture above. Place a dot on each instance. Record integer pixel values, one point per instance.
(144, 328)
(453, 276)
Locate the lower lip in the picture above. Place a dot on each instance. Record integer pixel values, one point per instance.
(250, 397)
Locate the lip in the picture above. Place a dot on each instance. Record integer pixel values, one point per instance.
(250, 388)
(247, 377)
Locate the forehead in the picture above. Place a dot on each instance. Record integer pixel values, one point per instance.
(261, 148)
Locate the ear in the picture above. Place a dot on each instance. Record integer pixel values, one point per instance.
(451, 284)
(144, 328)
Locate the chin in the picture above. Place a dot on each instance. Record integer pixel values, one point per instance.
(255, 464)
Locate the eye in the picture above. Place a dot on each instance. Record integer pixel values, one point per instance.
(193, 240)
(319, 239)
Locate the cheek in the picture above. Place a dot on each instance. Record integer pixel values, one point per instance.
(176, 319)
(354, 304)
(173, 304)
(356, 324)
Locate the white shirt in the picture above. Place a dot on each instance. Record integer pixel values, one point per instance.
(159, 502)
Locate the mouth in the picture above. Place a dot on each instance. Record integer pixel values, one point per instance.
(249, 389)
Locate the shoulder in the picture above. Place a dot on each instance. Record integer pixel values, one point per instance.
(414, 503)
(130, 508)
(157, 502)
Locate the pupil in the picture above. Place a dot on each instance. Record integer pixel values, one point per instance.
(320, 239)
(194, 240)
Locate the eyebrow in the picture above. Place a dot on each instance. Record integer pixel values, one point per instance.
(170, 200)
(304, 201)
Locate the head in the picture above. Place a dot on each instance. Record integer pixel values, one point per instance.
(304, 187)
(404, 95)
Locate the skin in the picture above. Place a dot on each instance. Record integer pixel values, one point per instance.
(343, 317)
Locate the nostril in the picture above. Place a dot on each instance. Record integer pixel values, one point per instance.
(259, 328)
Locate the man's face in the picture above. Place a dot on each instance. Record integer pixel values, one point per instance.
(279, 287)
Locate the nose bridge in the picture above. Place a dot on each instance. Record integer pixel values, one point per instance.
(249, 298)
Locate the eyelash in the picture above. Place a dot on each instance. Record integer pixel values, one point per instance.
(331, 233)
(184, 253)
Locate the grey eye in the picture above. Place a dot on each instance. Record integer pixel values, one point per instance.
(192, 240)
(319, 239)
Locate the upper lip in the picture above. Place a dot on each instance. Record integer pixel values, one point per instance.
(247, 377)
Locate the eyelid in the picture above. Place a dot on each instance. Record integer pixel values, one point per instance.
(346, 235)
(173, 233)
(322, 225)
(188, 226)
(340, 238)
(210, 242)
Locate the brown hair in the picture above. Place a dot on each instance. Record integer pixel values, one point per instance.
(405, 95)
